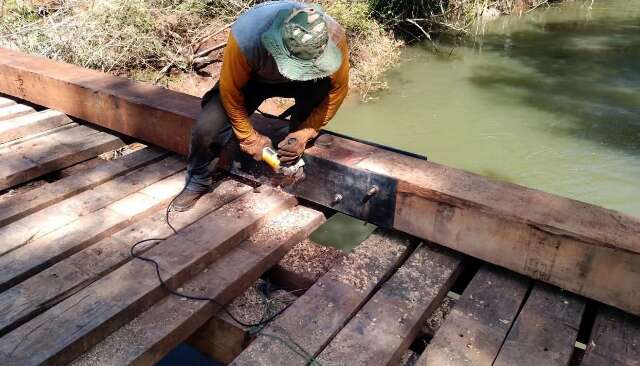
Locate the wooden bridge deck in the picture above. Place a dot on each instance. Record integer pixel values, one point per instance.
(71, 293)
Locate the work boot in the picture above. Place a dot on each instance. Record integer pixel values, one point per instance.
(185, 200)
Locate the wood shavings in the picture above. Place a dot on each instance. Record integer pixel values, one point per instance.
(250, 306)
(369, 261)
(434, 322)
(310, 260)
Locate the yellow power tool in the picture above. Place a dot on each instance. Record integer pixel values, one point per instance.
(270, 157)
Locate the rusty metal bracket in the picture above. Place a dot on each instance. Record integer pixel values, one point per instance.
(365, 195)
(356, 192)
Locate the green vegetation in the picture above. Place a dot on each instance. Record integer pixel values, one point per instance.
(138, 38)
(374, 50)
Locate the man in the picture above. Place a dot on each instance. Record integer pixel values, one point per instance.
(276, 49)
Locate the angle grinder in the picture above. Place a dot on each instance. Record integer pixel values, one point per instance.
(270, 157)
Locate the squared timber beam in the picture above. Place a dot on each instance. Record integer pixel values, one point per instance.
(580, 247)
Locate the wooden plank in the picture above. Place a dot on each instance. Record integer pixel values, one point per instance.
(545, 331)
(115, 103)
(47, 250)
(4, 102)
(41, 223)
(221, 338)
(25, 300)
(32, 123)
(80, 321)
(25, 161)
(380, 333)
(19, 206)
(303, 266)
(317, 316)
(474, 331)
(566, 243)
(172, 320)
(410, 358)
(571, 244)
(13, 111)
(615, 339)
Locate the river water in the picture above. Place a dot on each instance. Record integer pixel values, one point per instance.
(549, 100)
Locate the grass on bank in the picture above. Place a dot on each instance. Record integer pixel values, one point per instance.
(139, 38)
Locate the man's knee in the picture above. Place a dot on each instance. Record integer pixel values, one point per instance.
(211, 122)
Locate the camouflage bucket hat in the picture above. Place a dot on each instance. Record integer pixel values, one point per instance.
(299, 41)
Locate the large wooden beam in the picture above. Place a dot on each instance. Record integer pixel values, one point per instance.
(152, 114)
(586, 249)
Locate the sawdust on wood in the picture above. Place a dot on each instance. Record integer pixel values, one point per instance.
(369, 260)
(68, 171)
(282, 227)
(121, 151)
(434, 322)
(22, 188)
(254, 306)
(310, 260)
(410, 358)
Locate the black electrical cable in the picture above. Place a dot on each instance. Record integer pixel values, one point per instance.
(164, 285)
(263, 322)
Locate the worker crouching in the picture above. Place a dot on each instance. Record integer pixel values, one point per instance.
(276, 49)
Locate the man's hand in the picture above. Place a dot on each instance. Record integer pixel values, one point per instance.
(254, 144)
(292, 147)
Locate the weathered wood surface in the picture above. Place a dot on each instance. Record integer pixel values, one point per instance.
(383, 329)
(44, 290)
(557, 240)
(38, 156)
(92, 96)
(13, 111)
(88, 316)
(29, 259)
(4, 102)
(545, 331)
(317, 316)
(303, 266)
(163, 326)
(221, 338)
(19, 206)
(574, 245)
(474, 331)
(31, 123)
(25, 231)
(615, 339)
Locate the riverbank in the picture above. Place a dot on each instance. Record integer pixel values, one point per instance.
(179, 43)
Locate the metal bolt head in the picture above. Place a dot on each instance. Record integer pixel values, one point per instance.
(324, 140)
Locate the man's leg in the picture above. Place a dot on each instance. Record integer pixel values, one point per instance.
(211, 131)
(208, 136)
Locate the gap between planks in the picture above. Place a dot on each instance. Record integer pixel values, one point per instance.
(477, 325)
(26, 230)
(21, 205)
(42, 291)
(172, 320)
(317, 316)
(32, 123)
(66, 330)
(382, 331)
(35, 157)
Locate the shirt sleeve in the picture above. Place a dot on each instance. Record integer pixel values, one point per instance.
(323, 113)
(235, 73)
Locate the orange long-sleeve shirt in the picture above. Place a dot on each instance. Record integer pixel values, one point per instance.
(237, 71)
